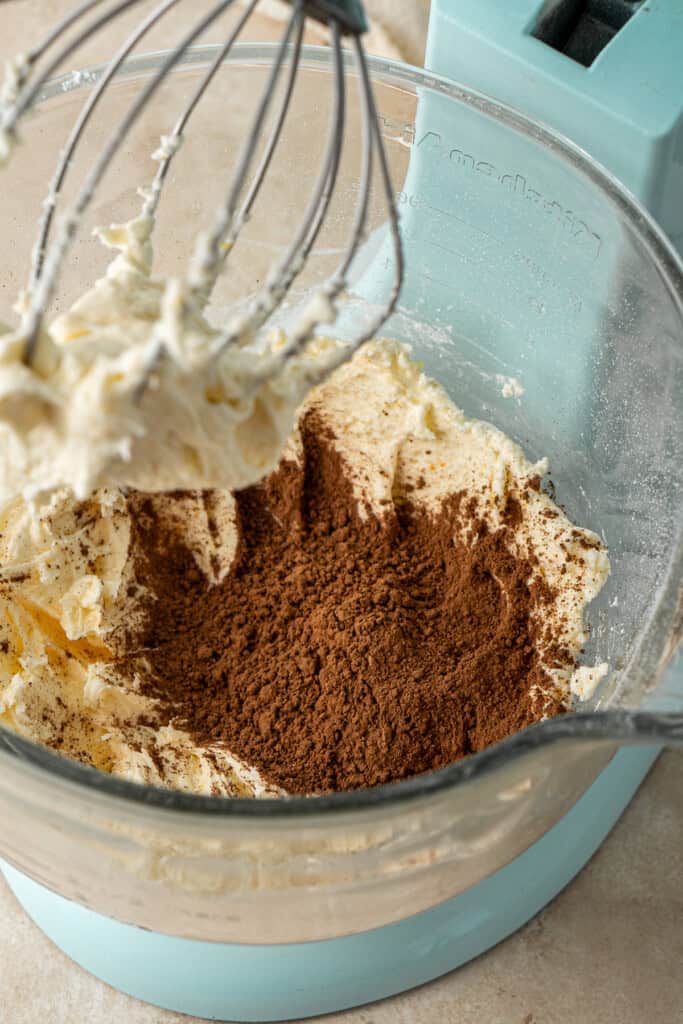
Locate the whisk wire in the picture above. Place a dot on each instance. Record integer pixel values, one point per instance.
(345, 352)
(75, 136)
(70, 222)
(279, 122)
(338, 281)
(155, 191)
(32, 87)
(60, 28)
(213, 247)
(392, 209)
(370, 128)
(290, 266)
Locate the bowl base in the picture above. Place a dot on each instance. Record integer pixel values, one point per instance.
(268, 983)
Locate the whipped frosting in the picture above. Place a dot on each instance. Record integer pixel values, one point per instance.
(132, 388)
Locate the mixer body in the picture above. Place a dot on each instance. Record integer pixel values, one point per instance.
(618, 94)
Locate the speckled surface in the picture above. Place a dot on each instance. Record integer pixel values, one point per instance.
(606, 951)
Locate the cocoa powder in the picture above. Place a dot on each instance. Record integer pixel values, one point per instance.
(343, 650)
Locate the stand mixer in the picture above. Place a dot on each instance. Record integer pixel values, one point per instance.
(545, 300)
(608, 76)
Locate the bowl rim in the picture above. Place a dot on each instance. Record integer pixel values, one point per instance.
(45, 766)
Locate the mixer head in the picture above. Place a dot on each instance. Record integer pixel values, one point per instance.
(344, 18)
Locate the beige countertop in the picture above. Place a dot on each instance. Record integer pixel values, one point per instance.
(607, 951)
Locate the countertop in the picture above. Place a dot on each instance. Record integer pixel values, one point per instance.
(607, 950)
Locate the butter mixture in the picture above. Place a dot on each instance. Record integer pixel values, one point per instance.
(136, 419)
(72, 600)
(133, 388)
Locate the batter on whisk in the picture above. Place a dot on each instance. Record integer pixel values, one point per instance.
(78, 418)
(134, 387)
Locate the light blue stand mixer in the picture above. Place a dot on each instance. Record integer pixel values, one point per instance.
(547, 301)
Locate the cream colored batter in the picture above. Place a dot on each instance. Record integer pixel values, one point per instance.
(70, 600)
(102, 408)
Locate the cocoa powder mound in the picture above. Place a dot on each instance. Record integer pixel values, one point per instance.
(342, 650)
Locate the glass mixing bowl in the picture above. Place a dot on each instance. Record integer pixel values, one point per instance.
(527, 266)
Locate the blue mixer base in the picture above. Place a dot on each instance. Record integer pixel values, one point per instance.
(267, 983)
